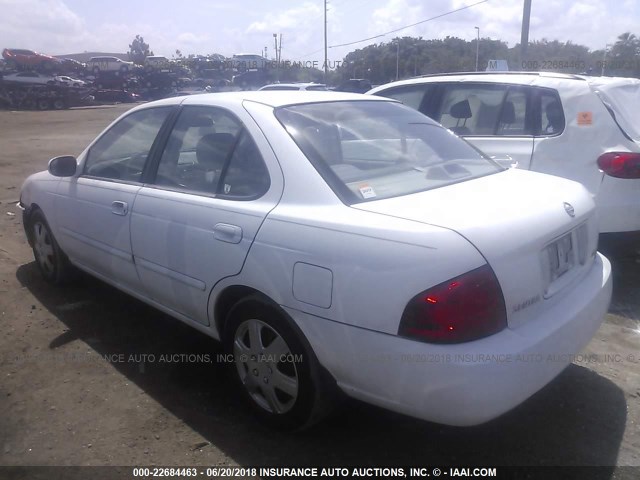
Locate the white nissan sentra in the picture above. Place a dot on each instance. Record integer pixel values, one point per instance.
(334, 243)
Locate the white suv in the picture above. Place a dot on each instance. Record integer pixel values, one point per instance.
(108, 64)
(582, 128)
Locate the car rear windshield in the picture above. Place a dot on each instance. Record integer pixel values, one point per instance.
(370, 150)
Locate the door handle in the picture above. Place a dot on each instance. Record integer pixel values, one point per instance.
(227, 233)
(119, 208)
(505, 161)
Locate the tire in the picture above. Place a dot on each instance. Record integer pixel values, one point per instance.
(43, 104)
(51, 260)
(274, 367)
(59, 104)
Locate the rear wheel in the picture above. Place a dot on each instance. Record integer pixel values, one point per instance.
(59, 104)
(51, 260)
(274, 367)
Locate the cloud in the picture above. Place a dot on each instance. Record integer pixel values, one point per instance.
(52, 26)
(25, 22)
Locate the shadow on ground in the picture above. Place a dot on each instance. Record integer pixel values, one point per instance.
(578, 419)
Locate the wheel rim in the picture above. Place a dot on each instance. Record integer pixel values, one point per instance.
(43, 248)
(265, 365)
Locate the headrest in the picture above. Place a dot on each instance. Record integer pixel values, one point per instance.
(460, 110)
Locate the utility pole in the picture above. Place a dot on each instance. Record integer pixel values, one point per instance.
(397, 58)
(604, 58)
(280, 49)
(477, 47)
(326, 66)
(275, 40)
(524, 37)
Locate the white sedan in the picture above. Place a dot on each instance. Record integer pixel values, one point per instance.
(334, 243)
(69, 81)
(29, 77)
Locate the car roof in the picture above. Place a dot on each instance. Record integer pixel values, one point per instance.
(523, 78)
(275, 98)
(297, 85)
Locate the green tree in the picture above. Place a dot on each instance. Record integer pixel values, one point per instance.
(139, 50)
(624, 57)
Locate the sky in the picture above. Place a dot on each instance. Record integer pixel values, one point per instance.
(59, 27)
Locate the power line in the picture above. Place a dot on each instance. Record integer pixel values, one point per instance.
(408, 26)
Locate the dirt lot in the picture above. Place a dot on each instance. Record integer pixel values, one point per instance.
(72, 394)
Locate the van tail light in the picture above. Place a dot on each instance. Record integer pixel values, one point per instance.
(462, 309)
(620, 164)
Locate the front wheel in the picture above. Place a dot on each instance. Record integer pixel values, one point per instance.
(274, 367)
(51, 260)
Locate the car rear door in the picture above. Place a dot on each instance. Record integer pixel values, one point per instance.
(496, 118)
(93, 210)
(194, 221)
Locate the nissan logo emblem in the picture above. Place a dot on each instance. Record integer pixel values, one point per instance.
(569, 209)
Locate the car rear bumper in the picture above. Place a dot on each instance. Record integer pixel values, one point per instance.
(618, 205)
(464, 384)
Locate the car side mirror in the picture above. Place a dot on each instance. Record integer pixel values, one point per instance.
(64, 166)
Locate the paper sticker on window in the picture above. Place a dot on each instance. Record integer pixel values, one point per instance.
(366, 191)
(585, 118)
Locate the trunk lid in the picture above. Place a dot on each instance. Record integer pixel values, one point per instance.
(536, 231)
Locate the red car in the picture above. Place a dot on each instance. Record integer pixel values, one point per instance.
(29, 58)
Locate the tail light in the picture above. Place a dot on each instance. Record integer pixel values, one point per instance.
(462, 309)
(620, 164)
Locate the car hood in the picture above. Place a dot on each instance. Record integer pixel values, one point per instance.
(510, 217)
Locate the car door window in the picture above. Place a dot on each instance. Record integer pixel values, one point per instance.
(209, 152)
(471, 109)
(121, 153)
(246, 176)
(512, 120)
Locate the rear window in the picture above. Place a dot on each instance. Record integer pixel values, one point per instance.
(370, 150)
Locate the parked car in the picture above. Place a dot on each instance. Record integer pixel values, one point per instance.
(577, 127)
(97, 65)
(355, 85)
(157, 62)
(332, 242)
(29, 77)
(250, 79)
(71, 66)
(30, 59)
(69, 81)
(295, 86)
(115, 96)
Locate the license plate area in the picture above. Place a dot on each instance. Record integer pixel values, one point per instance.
(562, 258)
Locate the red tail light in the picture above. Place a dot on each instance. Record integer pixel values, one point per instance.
(620, 164)
(462, 309)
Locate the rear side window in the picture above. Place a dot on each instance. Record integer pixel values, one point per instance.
(475, 109)
(552, 113)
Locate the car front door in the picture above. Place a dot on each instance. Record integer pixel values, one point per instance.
(93, 210)
(193, 223)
